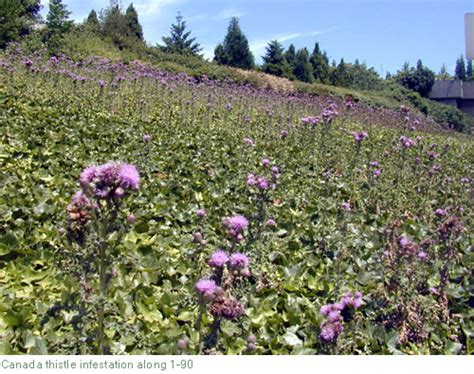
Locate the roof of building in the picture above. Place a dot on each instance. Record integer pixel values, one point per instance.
(453, 89)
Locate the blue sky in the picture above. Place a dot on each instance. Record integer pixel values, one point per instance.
(383, 33)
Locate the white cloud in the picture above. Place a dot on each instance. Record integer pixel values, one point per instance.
(229, 13)
(258, 46)
(149, 8)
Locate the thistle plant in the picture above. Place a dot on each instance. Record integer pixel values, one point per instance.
(96, 224)
(217, 292)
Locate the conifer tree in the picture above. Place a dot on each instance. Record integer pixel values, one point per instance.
(17, 18)
(92, 21)
(274, 60)
(443, 73)
(460, 69)
(469, 74)
(290, 55)
(235, 50)
(134, 28)
(179, 41)
(302, 69)
(320, 63)
(57, 19)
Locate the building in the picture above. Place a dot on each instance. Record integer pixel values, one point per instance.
(455, 92)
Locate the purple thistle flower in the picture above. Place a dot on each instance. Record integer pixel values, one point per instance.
(359, 136)
(128, 177)
(275, 170)
(218, 259)
(330, 331)
(440, 212)
(377, 173)
(239, 261)
(201, 213)
(465, 180)
(265, 162)
(346, 206)
(271, 222)
(87, 176)
(237, 223)
(248, 141)
(206, 287)
(423, 256)
(81, 200)
(334, 316)
(131, 218)
(374, 164)
(283, 133)
(404, 242)
(251, 181)
(262, 183)
(146, 138)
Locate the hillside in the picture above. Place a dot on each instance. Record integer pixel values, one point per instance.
(232, 219)
(81, 44)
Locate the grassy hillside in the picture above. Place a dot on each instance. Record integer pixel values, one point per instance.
(357, 232)
(81, 44)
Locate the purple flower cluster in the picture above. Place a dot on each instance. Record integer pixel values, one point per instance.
(359, 136)
(248, 141)
(332, 326)
(239, 261)
(407, 142)
(111, 180)
(236, 225)
(206, 287)
(218, 259)
(258, 181)
(310, 120)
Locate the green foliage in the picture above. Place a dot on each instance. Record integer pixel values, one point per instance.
(320, 63)
(179, 41)
(92, 22)
(275, 62)
(234, 51)
(133, 25)
(302, 68)
(460, 69)
(443, 74)
(290, 55)
(57, 24)
(469, 73)
(17, 19)
(420, 79)
(53, 126)
(124, 30)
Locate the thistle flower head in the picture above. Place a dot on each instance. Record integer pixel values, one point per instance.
(239, 261)
(218, 259)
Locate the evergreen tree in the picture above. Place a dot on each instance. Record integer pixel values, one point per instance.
(115, 26)
(17, 18)
(340, 75)
(235, 49)
(179, 41)
(57, 19)
(134, 28)
(469, 74)
(460, 69)
(420, 79)
(320, 63)
(220, 55)
(274, 60)
(290, 55)
(274, 53)
(302, 69)
(92, 21)
(443, 73)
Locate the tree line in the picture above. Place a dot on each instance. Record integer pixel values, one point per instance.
(21, 17)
